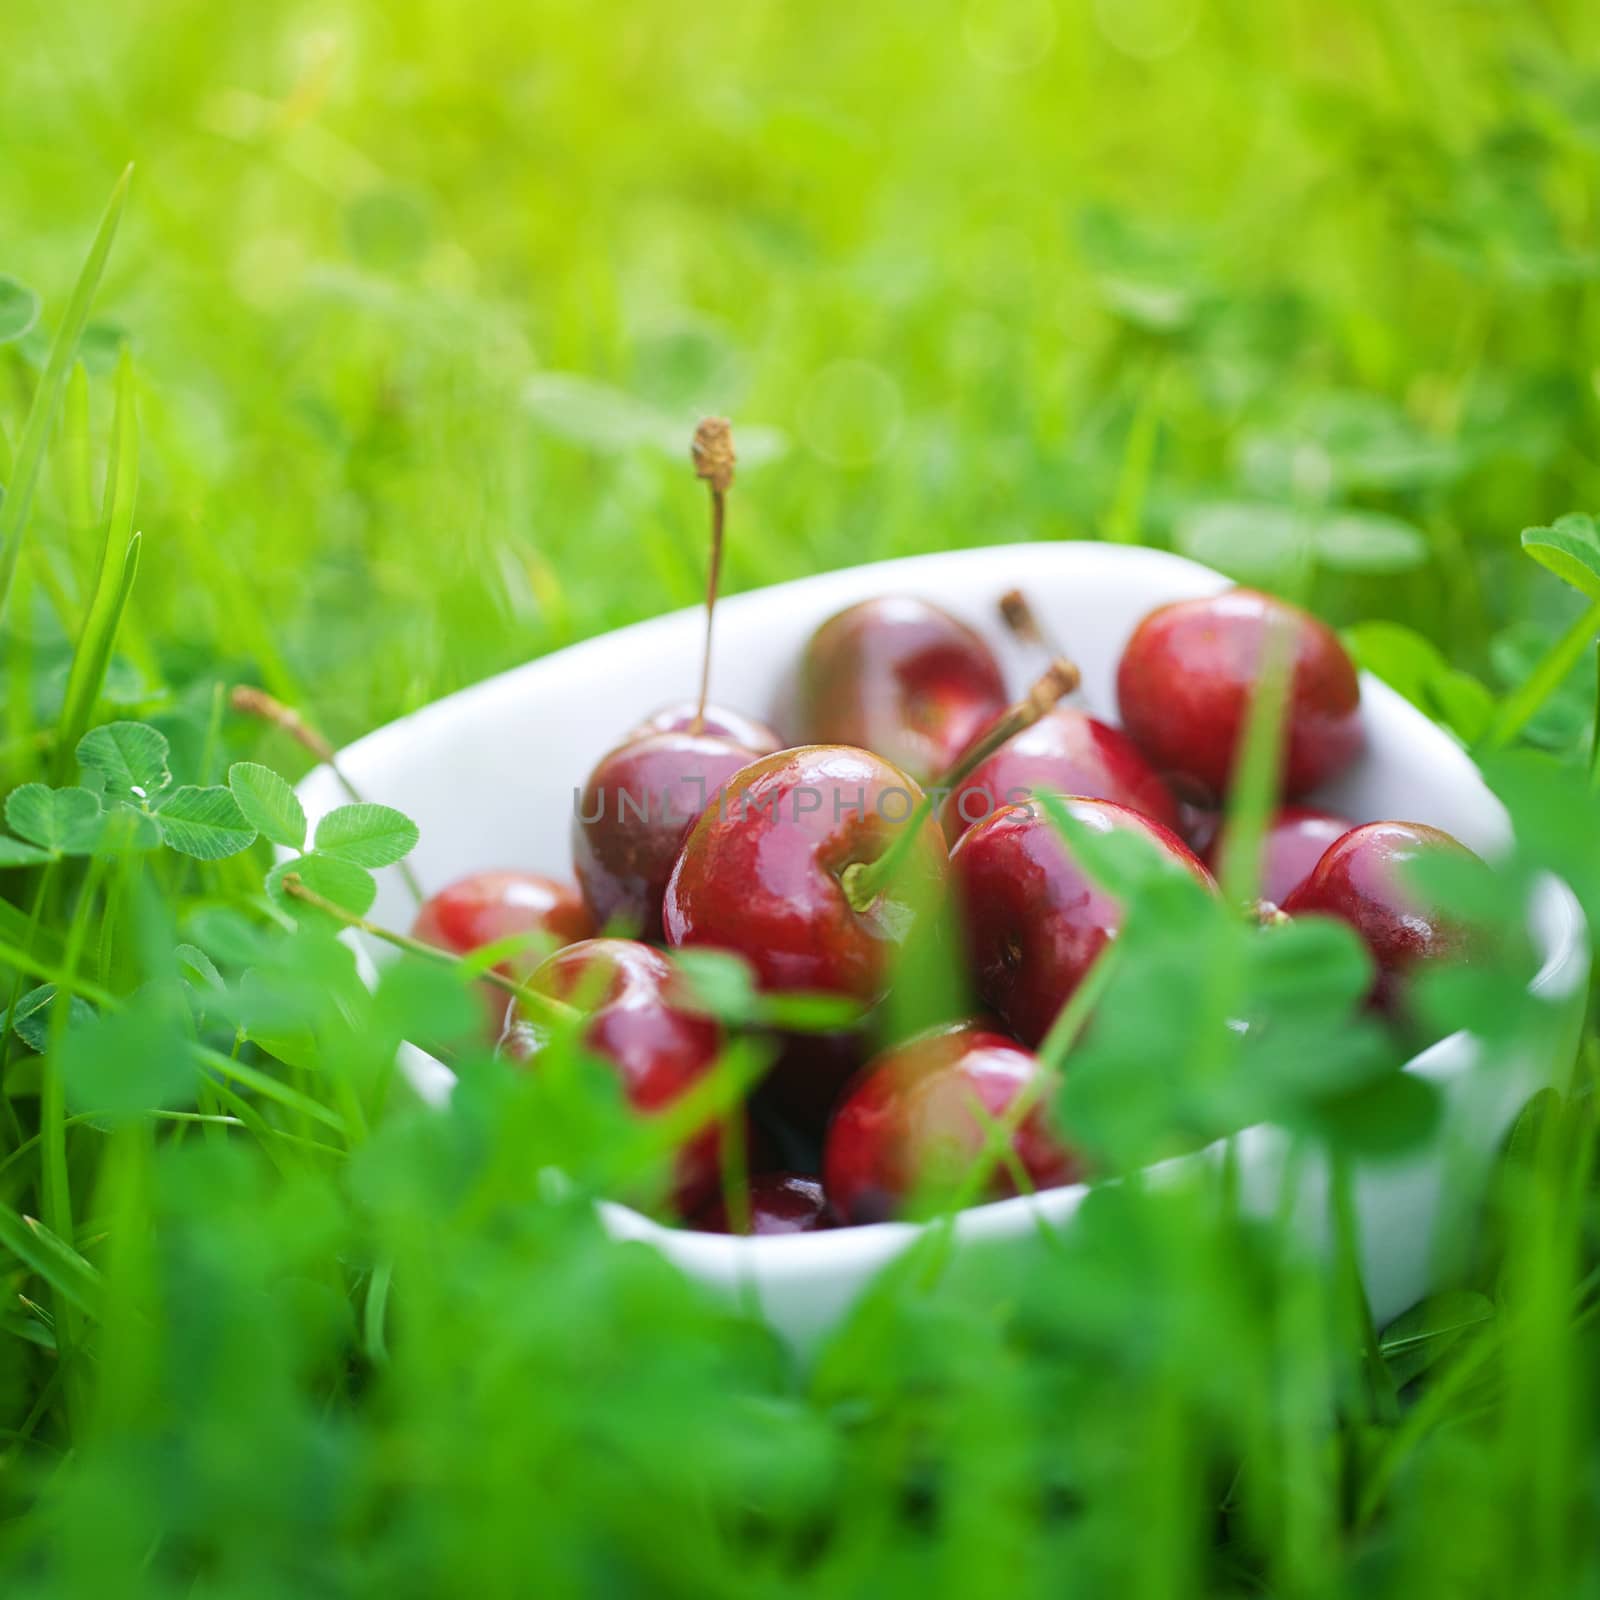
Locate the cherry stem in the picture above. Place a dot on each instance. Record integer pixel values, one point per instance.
(712, 453)
(552, 1010)
(1023, 623)
(255, 702)
(864, 881)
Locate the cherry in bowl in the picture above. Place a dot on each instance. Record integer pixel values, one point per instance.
(486, 907)
(902, 678)
(910, 1129)
(775, 1203)
(1067, 752)
(1363, 879)
(1187, 677)
(635, 1022)
(771, 874)
(1035, 921)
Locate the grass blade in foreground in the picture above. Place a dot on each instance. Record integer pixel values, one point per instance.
(47, 397)
(118, 563)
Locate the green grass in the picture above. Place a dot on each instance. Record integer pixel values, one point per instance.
(422, 303)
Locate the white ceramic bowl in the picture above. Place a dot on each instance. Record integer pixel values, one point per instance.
(489, 775)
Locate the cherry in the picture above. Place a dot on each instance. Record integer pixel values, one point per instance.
(780, 1202)
(1186, 679)
(1361, 879)
(820, 862)
(638, 804)
(682, 716)
(802, 1084)
(1034, 920)
(1292, 845)
(485, 907)
(633, 815)
(901, 678)
(769, 873)
(909, 1126)
(659, 1049)
(1067, 752)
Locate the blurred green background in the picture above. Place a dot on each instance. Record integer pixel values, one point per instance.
(425, 299)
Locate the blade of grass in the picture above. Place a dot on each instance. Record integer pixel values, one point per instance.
(47, 397)
(119, 564)
(269, 1088)
(51, 1258)
(1519, 708)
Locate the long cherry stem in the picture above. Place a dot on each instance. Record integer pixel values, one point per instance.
(864, 881)
(552, 1010)
(712, 452)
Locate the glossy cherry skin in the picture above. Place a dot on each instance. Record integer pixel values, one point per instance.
(901, 678)
(1293, 844)
(1034, 920)
(659, 1050)
(1186, 679)
(761, 875)
(906, 1127)
(1066, 752)
(1360, 879)
(780, 1202)
(485, 907)
(633, 816)
(719, 721)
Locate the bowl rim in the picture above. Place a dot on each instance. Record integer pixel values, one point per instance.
(1556, 917)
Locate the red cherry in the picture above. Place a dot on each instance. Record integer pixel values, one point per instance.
(659, 1050)
(1034, 920)
(803, 1083)
(901, 678)
(485, 907)
(1067, 752)
(718, 721)
(1361, 879)
(1293, 844)
(907, 1127)
(768, 874)
(1186, 679)
(632, 818)
(780, 1202)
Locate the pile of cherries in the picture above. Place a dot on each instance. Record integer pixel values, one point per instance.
(905, 804)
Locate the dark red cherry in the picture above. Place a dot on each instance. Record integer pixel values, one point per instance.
(1186, 679)
(780, 1202)
(1292, 845)
(659, 1050)
(1034, 920)
(633, 816)
(768, 875)
(485, 907)
(901, 678)
(718, 721)
(908, 1128)
(804, 1081)
(1067, 752)
(1361, 879)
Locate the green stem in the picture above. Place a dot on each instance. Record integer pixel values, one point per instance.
(864, 881)
(1519, 708)
(556, 1011)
